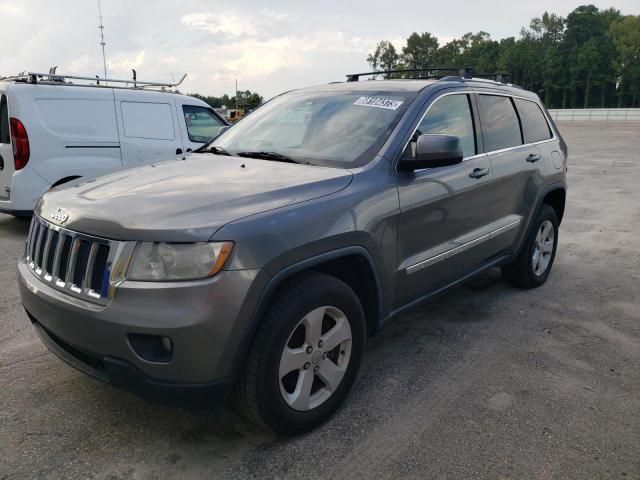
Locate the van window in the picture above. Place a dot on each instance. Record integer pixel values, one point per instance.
(499, 122)
(451, 115)
(534, 126)
(4, 120)
(202, 123)
(147, 120)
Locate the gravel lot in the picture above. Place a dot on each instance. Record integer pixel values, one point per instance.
(486, 382)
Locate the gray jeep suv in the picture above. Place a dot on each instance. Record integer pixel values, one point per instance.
(258, 266)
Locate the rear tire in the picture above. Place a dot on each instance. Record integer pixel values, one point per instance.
(305, 355)
(532, 266)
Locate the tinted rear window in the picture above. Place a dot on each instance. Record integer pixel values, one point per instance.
(534, 126)
(499, 122)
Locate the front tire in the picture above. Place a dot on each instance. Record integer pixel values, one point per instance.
(305, 356)
(532, 266)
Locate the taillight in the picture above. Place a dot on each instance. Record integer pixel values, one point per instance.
(20, 142)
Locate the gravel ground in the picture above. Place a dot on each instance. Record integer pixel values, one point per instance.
(486, 382)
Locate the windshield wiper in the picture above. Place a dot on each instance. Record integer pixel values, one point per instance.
(278, 157)
(218, 151)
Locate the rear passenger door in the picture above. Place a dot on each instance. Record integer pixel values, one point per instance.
(517, 166)
(148, 127)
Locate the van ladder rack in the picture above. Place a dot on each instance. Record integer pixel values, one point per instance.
(35, 77)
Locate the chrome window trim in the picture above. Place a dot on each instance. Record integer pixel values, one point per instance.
(457, 92)
(460, 248)
(492, 152)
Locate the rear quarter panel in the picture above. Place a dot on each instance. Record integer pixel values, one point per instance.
(72, 130)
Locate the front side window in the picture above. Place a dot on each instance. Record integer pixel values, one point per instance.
(449, 115)
(4, 121)
(202, 123)
(335, 129)
(499, 121)
(534, 126)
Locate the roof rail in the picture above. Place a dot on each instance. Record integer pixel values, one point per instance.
(52, 77)
(464, 73)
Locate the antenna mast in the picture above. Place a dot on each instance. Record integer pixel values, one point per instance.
(101, 27)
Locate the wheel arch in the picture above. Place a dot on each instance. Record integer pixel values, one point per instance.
(348, 264)
(556, 199)
(65, 180)
(555, 196)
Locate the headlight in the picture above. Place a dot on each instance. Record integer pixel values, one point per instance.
(177, 261)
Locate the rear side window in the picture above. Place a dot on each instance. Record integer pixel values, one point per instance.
(451, 115)
(534, 126)
(202, 123)
(499, 122)
(147, 120)
(4, 120)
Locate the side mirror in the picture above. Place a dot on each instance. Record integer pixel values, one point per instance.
(433, 151)
(223, 129)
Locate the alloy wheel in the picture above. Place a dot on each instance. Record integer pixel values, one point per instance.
(543, 248)
(315, 358)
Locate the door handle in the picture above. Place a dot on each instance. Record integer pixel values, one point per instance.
(178, 151)
(479, 172)
(533, 157)
(189, 150)
(1, 163)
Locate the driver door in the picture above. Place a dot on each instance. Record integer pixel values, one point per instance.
(445, 212)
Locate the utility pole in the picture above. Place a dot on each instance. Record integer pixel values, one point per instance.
(101, 27)
(236, 95)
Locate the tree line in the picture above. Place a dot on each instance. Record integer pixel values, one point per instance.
(247, 100)
(589, 59)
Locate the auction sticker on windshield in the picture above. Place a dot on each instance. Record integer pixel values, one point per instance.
(379, 102)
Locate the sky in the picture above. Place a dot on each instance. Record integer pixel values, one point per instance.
(269, 47)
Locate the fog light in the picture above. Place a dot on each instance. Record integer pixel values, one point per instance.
(153, 348)
(166, 344)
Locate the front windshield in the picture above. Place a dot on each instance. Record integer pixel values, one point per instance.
(321, 128)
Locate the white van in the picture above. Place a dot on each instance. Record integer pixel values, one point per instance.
(53, 131)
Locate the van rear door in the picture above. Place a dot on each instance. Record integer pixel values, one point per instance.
(148, 127)
(6, 150)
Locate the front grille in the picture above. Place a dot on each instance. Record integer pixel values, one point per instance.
(74, 263)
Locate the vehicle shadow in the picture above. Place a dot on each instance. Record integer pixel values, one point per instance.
(14, 226)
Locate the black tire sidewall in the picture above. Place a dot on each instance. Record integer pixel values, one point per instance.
(272, 407)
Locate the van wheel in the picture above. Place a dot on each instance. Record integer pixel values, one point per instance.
(305, 356)
(532, 266)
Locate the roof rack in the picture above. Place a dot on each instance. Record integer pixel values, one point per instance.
(464, 73)
(54, 78)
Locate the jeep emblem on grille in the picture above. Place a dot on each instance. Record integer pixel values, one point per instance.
(59, 216)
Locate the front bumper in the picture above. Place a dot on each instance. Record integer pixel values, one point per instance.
(203, 319)
(125, 376)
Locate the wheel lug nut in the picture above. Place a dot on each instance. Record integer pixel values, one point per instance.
(309, 349)
(324, 355)
(315, 369)
(306, 366)
(320, 344)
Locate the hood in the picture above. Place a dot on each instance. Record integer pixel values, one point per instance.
(185, 200)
